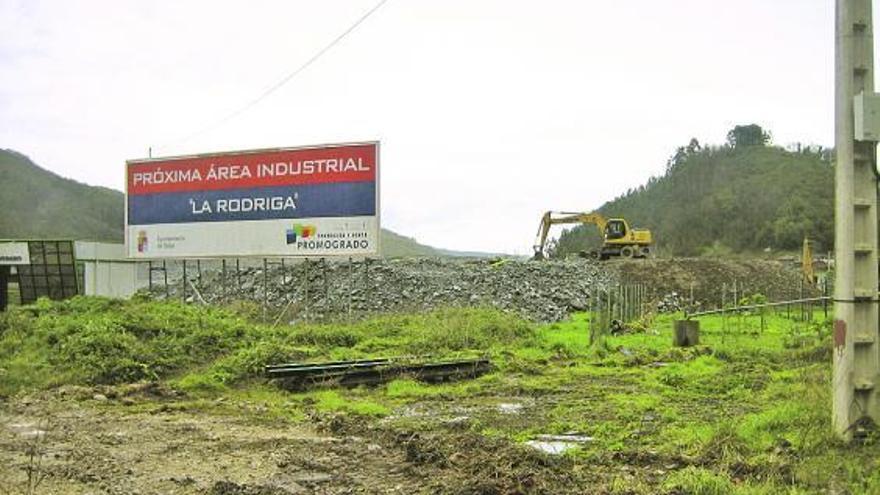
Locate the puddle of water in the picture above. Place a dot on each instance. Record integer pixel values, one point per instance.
(26, 430)
(572, 438)
(311, 477)
(557, 444)
(514, 408)
(553, 448)
(458, 420)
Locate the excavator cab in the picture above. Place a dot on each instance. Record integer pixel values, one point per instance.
(615, 229)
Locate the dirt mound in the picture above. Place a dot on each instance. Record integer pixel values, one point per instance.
(710, 280)
(477, 465)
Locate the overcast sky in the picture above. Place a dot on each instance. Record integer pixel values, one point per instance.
(489, 111)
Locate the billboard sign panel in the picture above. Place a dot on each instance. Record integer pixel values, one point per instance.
(312, 201)
(14, 253)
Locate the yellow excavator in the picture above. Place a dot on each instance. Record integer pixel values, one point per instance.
(619, 238)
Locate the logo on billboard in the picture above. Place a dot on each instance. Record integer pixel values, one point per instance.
(142, 241)
(300, 231)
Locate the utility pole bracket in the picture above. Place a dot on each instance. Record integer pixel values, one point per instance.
(866, 110)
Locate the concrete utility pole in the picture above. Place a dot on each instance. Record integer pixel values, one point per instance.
(857, 115)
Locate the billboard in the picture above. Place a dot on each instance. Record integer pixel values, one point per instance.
(309, 201)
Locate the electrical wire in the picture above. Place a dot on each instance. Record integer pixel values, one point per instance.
(275, 87)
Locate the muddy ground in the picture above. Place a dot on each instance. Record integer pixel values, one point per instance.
(94, 446)
(638, 423)
(159, 443)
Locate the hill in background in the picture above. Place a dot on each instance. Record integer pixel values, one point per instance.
(739, 197)
(36, 203)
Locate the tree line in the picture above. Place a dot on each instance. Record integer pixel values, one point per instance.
(744, 195)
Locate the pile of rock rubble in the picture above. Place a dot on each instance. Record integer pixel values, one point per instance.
(542, 291)
(315, 290)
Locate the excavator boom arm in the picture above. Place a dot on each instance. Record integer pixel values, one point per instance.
(548, 220)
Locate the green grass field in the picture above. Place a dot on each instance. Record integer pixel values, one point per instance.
(747, 411)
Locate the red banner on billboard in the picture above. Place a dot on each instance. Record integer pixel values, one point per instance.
(338, 164)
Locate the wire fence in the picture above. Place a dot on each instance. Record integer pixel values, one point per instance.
(296, 286)
(620, 308)
(313, 287)
(613, 308)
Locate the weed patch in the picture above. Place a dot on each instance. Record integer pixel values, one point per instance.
(745, 413)
(88, 340)
(698, 481)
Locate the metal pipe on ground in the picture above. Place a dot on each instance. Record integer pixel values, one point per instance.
(349, 373)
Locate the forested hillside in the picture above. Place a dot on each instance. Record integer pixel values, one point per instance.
(35, 203)
(742, 196)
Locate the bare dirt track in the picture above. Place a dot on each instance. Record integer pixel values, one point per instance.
(96, 447)
(156, 445)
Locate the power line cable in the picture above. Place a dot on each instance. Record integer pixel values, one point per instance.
(282, 82)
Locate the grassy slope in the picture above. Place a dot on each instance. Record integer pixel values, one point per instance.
(747, 412)
(37, 203)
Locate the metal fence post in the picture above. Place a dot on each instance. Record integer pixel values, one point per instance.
(223, 286)
(184, 280)
(165, 275)
(265, 287)
(349, 284)
(307, 273)
(326, 284)
(238, 274)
